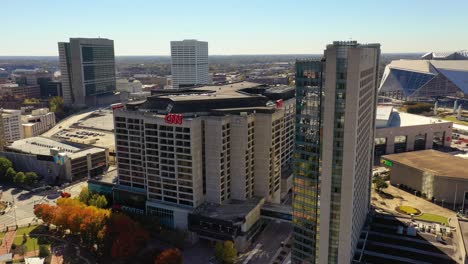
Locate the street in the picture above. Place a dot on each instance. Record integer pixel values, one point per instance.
(267, 243)
(24, 202)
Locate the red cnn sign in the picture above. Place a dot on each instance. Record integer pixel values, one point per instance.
(173, 119)
(279, 103)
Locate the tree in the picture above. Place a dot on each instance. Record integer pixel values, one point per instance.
(85, 195)
(229, 252)
(31, 178)
(25, 238)
(56, 104)
(19, 178)
(170, 256)
(97, 200)
(10, 174)
(226, 252)
(4, 165)
(379, 184)
(219, 250)
(44, 251)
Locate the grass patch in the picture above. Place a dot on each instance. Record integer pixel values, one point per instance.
(32, 243)
(408, 210)
(454, 120)
(433, 218)
(2, 235)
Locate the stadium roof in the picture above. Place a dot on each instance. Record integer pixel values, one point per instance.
(426, 78)
(457, 55)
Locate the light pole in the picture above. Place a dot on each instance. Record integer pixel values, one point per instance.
(442, 202)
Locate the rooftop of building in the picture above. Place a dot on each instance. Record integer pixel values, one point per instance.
(101, 119)
(233, 210)
(390, 239)
(438, 163)
(43, 146)
(93, 128)
(206, 98)
(384, 112)
(395, 118)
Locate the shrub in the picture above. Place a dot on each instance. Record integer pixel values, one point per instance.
(419, 108)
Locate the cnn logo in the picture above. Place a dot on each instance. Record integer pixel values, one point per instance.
(173, 119)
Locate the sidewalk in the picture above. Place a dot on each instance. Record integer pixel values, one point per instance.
(7, 241)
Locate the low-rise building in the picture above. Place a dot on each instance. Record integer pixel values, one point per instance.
(38, 122)
(20, 91)
(432, 174)
(57, 161)
(401, 132)
(128, 85)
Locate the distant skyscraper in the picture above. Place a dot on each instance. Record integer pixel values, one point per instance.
(189, 63)
(336, 105)
(87, 66)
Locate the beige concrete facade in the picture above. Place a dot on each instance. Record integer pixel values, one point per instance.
(38, 122)
(347, 153)
(426, 131)
(414, 170)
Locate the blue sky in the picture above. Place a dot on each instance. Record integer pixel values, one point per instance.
(33, 27)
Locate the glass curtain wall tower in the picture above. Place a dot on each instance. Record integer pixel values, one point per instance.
(335, 113)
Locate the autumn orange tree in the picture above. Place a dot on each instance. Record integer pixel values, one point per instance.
(75, 216)
(169, 256)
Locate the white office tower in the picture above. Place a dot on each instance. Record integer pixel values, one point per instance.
(189, 63)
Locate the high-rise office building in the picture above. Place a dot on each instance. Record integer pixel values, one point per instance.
(189, 63)
(87, 66)
(209, 145)
(336, 105)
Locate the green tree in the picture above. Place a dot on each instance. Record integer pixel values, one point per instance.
(44, 251)
(229, 252)
(28, 101)
(226, 252)
(31, 178)
(97, 200)
(56, 104)
(10, 174)
(219, 250)
(19, 177)
(4, 165)
(379, 184)
(85, 195)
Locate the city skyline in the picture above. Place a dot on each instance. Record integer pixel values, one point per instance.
(145, 28)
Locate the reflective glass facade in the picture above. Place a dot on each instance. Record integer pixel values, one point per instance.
(307, 163)
(98, 69)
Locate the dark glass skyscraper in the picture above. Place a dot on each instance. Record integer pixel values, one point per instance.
(335, 113)
(87, 66)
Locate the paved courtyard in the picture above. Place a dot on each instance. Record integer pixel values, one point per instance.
(396, 197)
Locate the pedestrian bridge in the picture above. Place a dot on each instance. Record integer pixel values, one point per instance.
(281, 212)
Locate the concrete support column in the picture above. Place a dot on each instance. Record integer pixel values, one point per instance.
(410, 142)
(429, 139)
(390, 145)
